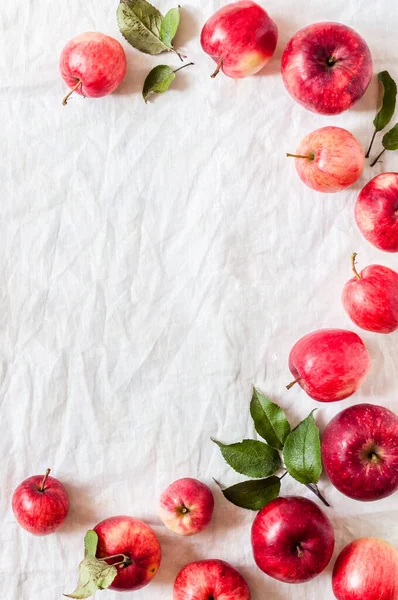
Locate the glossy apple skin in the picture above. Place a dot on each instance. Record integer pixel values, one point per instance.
(366, 569)
(242, 36)
(336, 159)
(135, 539)
(97, 60)
(324, 89)
(40, 512)
(210, 579)
(287, 527)
(376, 212)
(360, 452)
(331, 364)
(186, 506)
(371, 302)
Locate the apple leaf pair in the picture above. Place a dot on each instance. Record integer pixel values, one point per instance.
(385, 114)
(300, 447)
(94, 573)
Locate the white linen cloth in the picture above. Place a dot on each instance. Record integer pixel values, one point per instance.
(156, 262)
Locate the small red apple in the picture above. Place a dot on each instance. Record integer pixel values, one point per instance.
(360, 452)
(326, 67)
(370, 298)
(240, 38)
(136, 540)
(329, 159)
(210, 580)
(329, 364)
(366, 569)
(376, 211)
(93, 65)
(40, 504)
(292, 539)
(186, 506)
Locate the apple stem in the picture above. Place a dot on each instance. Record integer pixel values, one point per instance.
(353, 257)
(307, 157)
(219, 65)
(377, 158)
(43, 483)
(371, 144)
(314, 489)
(374, 459)
(293, 383)
(126, 560)
(299, 550)
(183, 67)
(65, 100)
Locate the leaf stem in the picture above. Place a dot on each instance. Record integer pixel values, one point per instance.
(314, 489)
(282, 476)
(219, 66)
(293, 383)
(183, 67)
(126, 560)
(377, 157)
(65, 100)
(371, 144)
(353, 257)
(44, 480)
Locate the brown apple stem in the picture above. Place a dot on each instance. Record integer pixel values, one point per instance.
(126, 560)
(293, 383)
(353, 257)
(69, 94)
(298, 156)
(314, 489)
(299, 550)
(219, 65)
(44, 481)
(371, 144)
(183, 67)
(377, 158)
(374, 459)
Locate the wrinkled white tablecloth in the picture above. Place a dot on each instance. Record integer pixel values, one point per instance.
(155, 262)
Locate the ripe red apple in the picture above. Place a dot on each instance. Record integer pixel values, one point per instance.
(240, 38)
(40, 504)
(376, 211)
(92, 64)
(370, 298)
(136, 540)
(210, 580)
(366, 569)
(186, 506)
(329, 159)
(360, 452)
(329, 364)
(292, 539)
(326, 67)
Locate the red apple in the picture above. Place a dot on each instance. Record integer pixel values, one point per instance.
(329, 364)
(376, 212)
(40, 504)
(136, 540)
(186, 506)
(329, 159)
(326, 67)
(371, 298)
(93, 65)
(360, 452)
(210, 580)
(366, 569)
(240, 38)
(292, 539)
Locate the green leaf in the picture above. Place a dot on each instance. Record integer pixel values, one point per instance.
(140, 23)
(251, 457)
(253, 494)
(90, 544)
(389, 94)
(158, 81)
(169, 26)
(302, 452)
(390, 139)
(269, 420)
(94, 574)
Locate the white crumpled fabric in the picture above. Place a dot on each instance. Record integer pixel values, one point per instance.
(156, 262)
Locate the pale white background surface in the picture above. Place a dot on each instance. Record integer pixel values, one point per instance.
(155, 262)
